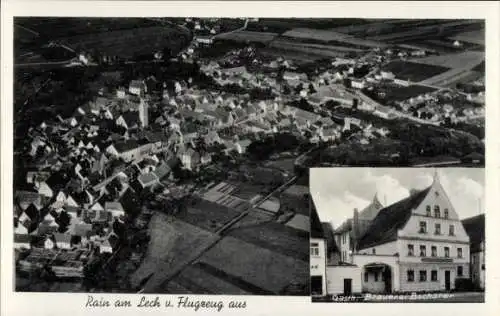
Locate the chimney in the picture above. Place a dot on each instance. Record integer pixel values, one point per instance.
(355, 230)
(413, 192)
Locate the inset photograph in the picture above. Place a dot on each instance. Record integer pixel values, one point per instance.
(397, 235)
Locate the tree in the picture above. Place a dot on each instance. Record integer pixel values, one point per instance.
(311, 88)
(286, 90)
(299, 88)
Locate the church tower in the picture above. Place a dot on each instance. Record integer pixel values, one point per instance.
(143, 113)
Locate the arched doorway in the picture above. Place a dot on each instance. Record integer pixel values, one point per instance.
(377, 278)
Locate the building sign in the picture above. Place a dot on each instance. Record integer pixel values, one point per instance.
(437, 260)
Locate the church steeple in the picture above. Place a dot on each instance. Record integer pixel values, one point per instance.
(376, 201)
(435, 178)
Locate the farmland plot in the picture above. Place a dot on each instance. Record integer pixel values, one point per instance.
(172, 243)
(197, 278)
(461, 65)
(326, 36)
(258, 266)
(127, 43)
(274, 236)
(467, 59)
(474, 37)
(248, 36)
(207, 215)
(414, 71)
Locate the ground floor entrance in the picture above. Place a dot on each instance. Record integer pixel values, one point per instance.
(317, 285)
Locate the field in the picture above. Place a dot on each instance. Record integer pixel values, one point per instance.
(283, 25)
(445, 46)
(308, 52)
(260, 267)
(172, 243)
(64, 27)
(207, 215)
(386, 27)
(467, 59)
(452, 77)
(426, 31)
(276, 237)
(202, 278)
(327, 36)
(400, 93)
(127, 43)
(474, 37)
(414, 71)
(293, 199)
(461, 65)
(248, 36)
(299, 57)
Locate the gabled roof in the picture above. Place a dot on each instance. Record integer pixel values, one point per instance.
(131, 118)
(82, 229)
(65, 238)
(474, 226)
(316, 227)
(331, 245)
(22, 238)
(390, 219)
(162, 170)
(126, 145)
(147, 178)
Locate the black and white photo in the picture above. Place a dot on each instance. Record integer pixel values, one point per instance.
(397, 235)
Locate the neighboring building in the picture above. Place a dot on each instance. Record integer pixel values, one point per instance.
(317, 255)
(346, 236)
(22, 241)
(474, 226)
(115, 208)
(329, 275)
(136, 87)
(130, 150)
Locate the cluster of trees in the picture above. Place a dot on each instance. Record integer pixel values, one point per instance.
(263, 149)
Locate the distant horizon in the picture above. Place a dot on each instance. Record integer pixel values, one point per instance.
(335, 201)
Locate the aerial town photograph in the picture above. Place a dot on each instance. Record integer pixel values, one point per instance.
(397, 235)
(172, 155)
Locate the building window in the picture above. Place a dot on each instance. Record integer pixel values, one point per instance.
(376, 276)
(423, 251)
(437, 230)
(460, 271)
(446, 213)
(459, 252)
(434, 275)
(410, 250)
(373, 251)
(434, 251)
(423, 228)
(315, 249)
(447, 252)
(452, 230)
(366, 276)
(410, 275)
(437, 211)
(423, 275)
(428, 210)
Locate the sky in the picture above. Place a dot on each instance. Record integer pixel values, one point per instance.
(337, 191)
